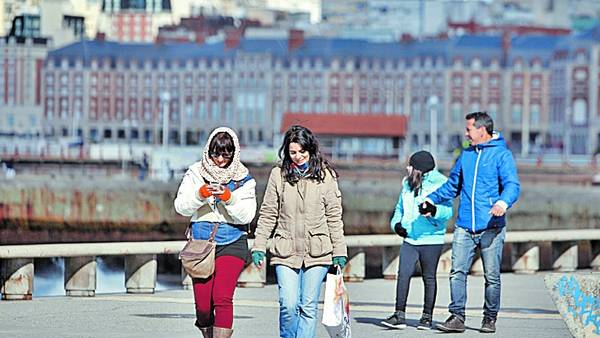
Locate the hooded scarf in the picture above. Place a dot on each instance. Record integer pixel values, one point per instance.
(211, 172)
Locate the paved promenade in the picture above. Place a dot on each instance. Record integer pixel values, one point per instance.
(527, 311)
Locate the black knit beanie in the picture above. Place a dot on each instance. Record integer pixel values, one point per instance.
(422, 161)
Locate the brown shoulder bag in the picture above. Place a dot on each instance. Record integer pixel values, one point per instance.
(198, 256)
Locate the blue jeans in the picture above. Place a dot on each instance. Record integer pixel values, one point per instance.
(490, 243)
(299, 291)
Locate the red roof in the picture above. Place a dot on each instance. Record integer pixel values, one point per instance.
(348, 125)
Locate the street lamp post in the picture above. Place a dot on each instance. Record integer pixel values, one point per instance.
(432, 103)
(165, 97)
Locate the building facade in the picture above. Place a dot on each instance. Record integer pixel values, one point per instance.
(113, 92)
(134, 21)
(21, 63)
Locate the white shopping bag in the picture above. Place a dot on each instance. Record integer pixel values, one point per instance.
(336, 306)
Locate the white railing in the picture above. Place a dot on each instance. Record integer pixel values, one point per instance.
(523, 248)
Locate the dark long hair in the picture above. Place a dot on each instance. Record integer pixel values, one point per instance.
(316, 163)
(415, 180)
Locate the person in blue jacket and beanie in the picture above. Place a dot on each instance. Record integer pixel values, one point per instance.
(485, 178)
(423, 237)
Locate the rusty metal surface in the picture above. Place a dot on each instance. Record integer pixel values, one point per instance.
(47, 209)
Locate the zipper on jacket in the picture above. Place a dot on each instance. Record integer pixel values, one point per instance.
(473, 190)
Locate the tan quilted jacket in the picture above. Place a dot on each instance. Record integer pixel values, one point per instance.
(305, 220)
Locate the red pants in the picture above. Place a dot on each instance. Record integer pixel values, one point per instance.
(214, 295)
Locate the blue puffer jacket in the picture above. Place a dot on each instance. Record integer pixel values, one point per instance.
(483, 175)
(422, 230)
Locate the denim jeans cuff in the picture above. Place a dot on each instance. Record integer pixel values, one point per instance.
(461, 317)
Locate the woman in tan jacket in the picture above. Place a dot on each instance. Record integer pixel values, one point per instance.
(302, 207)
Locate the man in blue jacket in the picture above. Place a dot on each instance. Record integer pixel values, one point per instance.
(485, 177)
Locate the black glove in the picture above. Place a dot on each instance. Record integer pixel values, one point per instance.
(400, 230)
(426, 207)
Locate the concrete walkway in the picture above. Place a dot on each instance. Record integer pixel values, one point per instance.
(527, 311)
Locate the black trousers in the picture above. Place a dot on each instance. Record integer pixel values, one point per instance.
(428, 256)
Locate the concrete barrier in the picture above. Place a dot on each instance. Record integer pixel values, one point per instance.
(523, 252)
(17, 279)
(80, 276)
(140, 273)
(526, 258)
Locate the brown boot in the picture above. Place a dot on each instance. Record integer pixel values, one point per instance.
(207, 332)
(221, 332)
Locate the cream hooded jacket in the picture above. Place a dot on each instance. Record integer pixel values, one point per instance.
(239, 209)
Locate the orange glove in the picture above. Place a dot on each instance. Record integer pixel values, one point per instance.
(204, 192)
(226, 195)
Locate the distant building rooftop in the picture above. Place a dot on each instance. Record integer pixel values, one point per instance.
(364, 125)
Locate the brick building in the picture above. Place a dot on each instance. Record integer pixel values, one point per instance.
(113, 90)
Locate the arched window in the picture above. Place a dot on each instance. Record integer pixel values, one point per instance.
(579, 112)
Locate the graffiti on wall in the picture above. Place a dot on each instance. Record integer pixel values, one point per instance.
(582, 306)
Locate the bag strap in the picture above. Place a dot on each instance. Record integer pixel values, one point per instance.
(213, 233)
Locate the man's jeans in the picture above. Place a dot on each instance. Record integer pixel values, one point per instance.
(299, 291)
(490, 242)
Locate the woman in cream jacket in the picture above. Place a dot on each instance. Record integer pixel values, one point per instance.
(219, 189)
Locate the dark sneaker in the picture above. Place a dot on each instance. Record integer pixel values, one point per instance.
(395, 321)
(488, 325)
(453, 324)
(424, 323)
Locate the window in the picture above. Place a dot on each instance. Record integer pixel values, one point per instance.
(333, 107)
(493, 81)
(475, 81)
(579, 112)
(493, 110)
(94, 135)
(457, 80)
(214, 109)
(580, 75)
(349, 82)
(202, 109)
(400, 82)
(318, 81)
(415, 109)
(318, 107)
(534, 114)
(456, 112)
(517, 112)
(334, 81)
(517, 82)
(305, 107)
